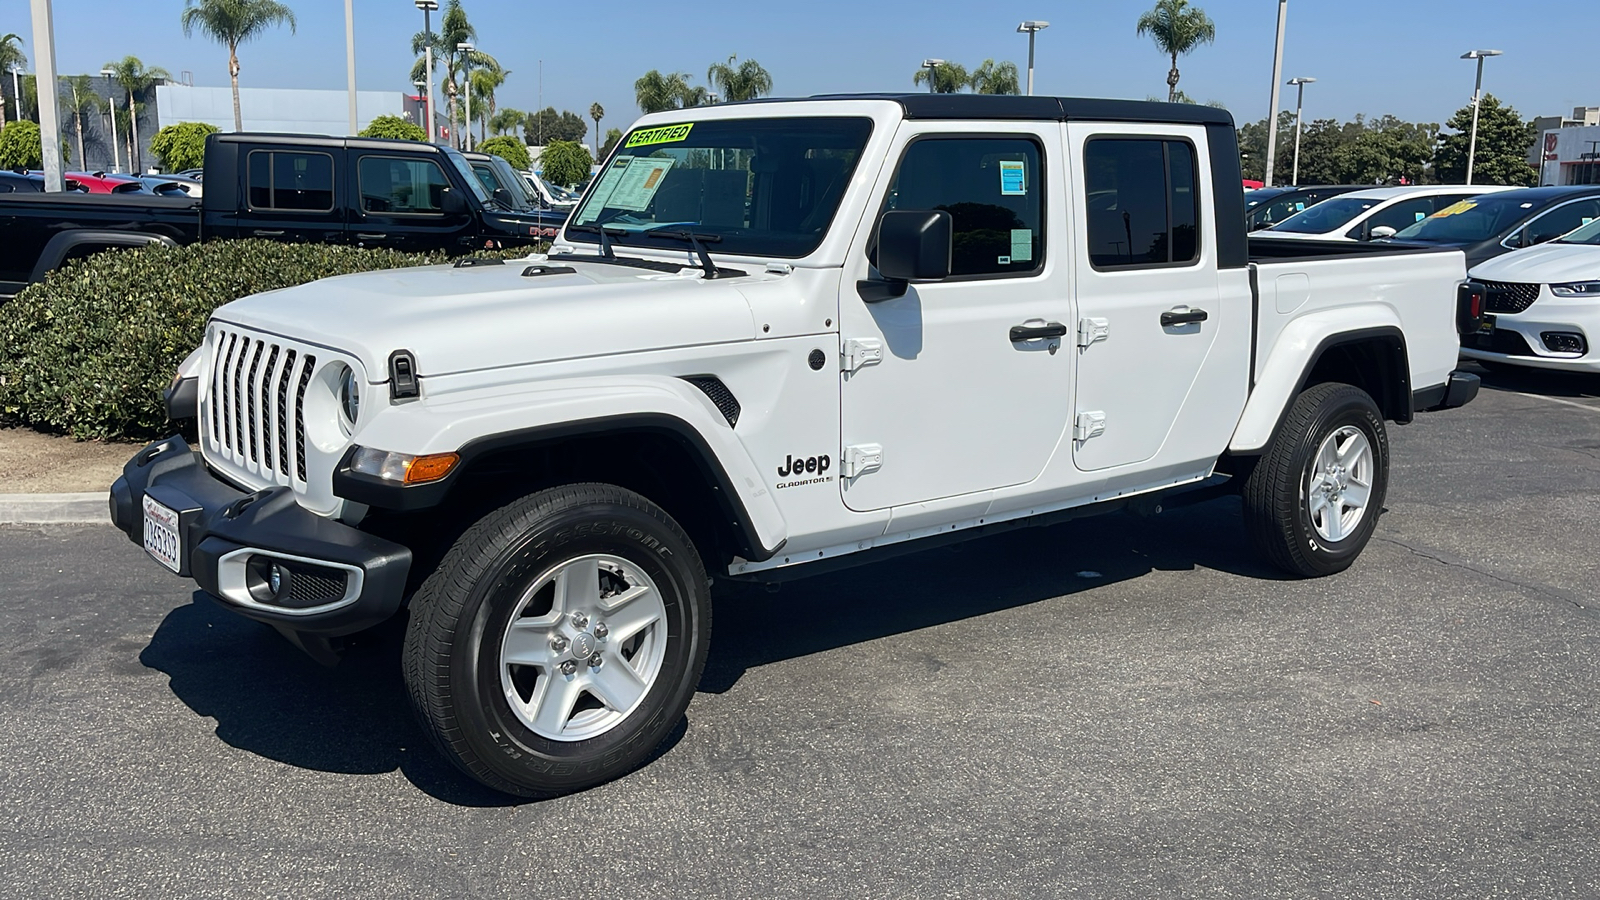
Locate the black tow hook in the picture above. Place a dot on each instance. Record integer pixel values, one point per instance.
(237, 507)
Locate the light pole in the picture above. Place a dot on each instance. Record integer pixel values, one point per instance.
(16, 90)
(1477, 95)
(427, 7)
(422, 93)
(350, 57)
(44, 72)
(932, 65)
(1299, 101)
(1031, 27)
(1277, 77)
(465, 49)
(116, 155)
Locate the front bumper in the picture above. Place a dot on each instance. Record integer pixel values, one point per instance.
(335, 579)
(1520, 338)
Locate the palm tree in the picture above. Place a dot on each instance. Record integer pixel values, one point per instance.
(507, 120)
(990, 78)
(78, 98)
(454, 29)
(485, 81)
(132, 76)
(656, 92)
(1178, 29)
(596, 112)
(11, 56)
(747, 82)
(951, 78)
(234, 22)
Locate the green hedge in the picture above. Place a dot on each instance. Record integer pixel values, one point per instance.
(89, 351)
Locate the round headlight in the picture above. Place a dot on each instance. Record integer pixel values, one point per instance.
(349, 396)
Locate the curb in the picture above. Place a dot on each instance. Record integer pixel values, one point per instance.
(54, 509)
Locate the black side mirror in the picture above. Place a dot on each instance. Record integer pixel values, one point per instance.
(451, 202)
(503, 197)
(915, 245)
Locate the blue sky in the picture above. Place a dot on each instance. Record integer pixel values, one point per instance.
(1371, 56)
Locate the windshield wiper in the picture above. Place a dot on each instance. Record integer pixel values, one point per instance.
(697, 243)
(604, 233)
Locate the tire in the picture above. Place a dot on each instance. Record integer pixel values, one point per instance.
(1309, 518)
(497, 664)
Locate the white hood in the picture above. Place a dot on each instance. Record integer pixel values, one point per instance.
(1552, 263)
(484, 317)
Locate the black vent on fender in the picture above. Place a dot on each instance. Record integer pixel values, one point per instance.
(721, 397)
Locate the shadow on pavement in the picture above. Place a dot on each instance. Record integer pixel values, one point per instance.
(1572, 385)
(270, 699)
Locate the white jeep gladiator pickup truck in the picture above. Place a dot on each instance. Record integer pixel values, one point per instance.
(773, 338)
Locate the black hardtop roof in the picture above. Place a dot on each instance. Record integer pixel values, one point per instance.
(1549, 193)
(323, 140)
(1056, 109)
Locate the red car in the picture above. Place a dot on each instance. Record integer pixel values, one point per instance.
(105, 183)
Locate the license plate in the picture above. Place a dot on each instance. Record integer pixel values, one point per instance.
(162, 539)
(1487, 325)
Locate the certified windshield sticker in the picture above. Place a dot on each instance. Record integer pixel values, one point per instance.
(1013, 178)
(1454, 209)
(638, 184)
(666, 134)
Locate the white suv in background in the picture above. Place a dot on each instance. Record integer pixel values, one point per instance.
(1373, 213)
(1542, 305)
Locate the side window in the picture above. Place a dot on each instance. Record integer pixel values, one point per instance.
(486, 178)
(1143, 202)
(391, 185)
(1561, 220)
(278, 179)
(1401, 215)
(993, 189)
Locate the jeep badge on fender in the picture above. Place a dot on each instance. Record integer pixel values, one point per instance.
(810, 465)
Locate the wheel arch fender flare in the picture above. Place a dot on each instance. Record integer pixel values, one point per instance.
(1295, 356)
(55, 252)
(589, 407)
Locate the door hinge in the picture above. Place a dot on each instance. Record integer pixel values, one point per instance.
(862, 458)
(1089, 424)
(858, 352)
(1092, 330)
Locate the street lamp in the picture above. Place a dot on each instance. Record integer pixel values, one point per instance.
(1277, 76)
(466, 49)
(16, 91)
(1477, 93)
(1031, 28)
(932, 65)
(116, 156)
(427, 7)
(1299, 101)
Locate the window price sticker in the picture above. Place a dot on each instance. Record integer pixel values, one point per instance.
(1013, 178)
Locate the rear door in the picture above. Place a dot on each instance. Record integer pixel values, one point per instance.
(400, 204)
(1147, 286)
(292, 195)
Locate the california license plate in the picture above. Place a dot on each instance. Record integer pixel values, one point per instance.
(1486, 326)
(162, 540)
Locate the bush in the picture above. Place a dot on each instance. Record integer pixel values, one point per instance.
(90, 350)
(395, 128)
(20, 147)
(182, 146)
(565, 163)
(509, 149)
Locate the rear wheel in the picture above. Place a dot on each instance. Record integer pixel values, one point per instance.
(1312, 502)
(560, 640)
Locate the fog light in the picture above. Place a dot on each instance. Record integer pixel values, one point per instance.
(1564, 342)
(267, 580)
(275, 579)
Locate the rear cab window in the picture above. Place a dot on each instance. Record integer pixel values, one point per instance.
(289, 180)
(1142, 202)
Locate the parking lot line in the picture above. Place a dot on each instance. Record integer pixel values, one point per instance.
(1565, 402)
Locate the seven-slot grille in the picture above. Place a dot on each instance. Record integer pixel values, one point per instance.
(257, 401)
(1504, 297)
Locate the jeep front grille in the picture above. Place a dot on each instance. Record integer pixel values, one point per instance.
(1504, 297)
(256, 400)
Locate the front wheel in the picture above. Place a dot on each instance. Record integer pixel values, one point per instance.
(1312, 502)
(560, 640)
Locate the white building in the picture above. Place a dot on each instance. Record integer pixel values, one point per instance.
(1569, 155)
(281, 110)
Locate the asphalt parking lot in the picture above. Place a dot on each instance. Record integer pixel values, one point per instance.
(1114, 707)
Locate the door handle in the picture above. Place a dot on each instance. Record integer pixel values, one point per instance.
(1021, 333)
(370, 236)
(263, 232)
(1182, 317)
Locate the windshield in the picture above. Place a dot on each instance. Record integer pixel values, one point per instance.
(465, 169)
(559, 194)
(760, 187)
(1254, 198)
(1271, 212)
(1588, 234)
(1329, 215)
(1470, 221)
(522, 195)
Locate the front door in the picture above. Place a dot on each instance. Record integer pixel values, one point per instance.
(1146, 287)
(939, 397)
